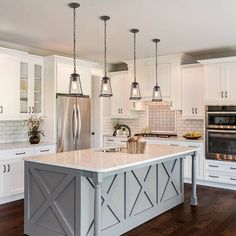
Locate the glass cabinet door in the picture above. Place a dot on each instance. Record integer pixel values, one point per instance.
(37, 89)
(24, 88)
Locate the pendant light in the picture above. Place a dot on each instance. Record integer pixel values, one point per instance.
(106, 90)
(75, 87)
(135, 90)
(156, 96)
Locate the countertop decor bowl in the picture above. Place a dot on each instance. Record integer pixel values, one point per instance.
(192, 135)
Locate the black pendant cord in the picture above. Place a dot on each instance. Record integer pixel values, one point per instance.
(135, 57)
(156, 65)
(105, 47)
(74, 39)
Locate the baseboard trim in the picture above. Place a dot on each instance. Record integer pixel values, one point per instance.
(13, 198)
(212, 184)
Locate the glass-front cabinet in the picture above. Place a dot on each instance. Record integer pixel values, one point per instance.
(31, 87)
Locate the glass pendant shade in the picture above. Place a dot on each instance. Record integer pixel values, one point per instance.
(75, 87)
(106, 90)
(135, 91)
(156, 96)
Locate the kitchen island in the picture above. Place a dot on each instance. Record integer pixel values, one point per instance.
(89, 192)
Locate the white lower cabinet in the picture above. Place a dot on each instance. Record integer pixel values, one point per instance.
(221, 172)
(12, 170)
(12, 177)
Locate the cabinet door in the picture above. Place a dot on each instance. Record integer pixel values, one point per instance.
(12, 177)
(176, 87)
(120, 99)
(199, 93)
(37, 96)
(163, 77)
(231, 95)
(117, 99)
(9, 89)
(213, 83)
(188, 93)
(25, 106)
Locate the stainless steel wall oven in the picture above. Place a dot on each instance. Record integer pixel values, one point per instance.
(221, 133)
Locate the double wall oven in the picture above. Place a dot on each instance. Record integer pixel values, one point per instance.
(221, 133)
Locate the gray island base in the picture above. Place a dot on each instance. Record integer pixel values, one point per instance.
(88, 192)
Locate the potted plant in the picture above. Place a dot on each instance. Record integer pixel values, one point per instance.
(34, 132)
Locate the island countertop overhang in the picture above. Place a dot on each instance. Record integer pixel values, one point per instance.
(94, 161)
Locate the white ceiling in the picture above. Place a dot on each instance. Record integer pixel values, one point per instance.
(195, 26)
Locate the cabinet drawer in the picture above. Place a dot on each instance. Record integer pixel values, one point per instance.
(4, 154)
(218, 177)
(21, 152)
(43, 150)
(225, 167)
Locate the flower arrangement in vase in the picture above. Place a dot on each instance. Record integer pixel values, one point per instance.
(34, 131)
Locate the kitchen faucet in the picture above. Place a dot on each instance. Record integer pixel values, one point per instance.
(119, 126)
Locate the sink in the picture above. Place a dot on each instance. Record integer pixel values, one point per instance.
(109, 149)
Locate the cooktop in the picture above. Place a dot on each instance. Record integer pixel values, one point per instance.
(156, 135)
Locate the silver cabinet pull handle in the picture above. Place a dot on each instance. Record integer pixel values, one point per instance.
(4, 169)
(29, 109)
(9, 168)
(44, 150)
(20, 153)
(196, 110)
(213, 166)
(1, 109)
(233, 168)
(110, 140)
(134, 104)
(32, 109)
(214, 176)
(222, 94)
(172, 144)
(192, 110)
(226, 94)
(233, 178)
(121, 110)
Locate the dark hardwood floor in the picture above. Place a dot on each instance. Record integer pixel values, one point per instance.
(214, 216)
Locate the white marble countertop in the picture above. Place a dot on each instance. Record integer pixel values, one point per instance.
(173, 138)
(97, 161)
(6, 146)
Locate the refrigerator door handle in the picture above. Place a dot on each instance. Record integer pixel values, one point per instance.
(79, 121)
(74, 124)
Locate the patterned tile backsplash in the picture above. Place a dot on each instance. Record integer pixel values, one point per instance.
(159, 118)
(13, 131)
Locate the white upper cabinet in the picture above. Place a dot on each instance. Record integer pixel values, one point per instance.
(65, 69)
(169, 77)
(146, 79)
(220, 82)
(119, 102)
(22, 87)
(9, 89)
(31, 86)
(192, 92)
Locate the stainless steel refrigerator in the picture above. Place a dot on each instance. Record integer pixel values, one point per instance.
(73, 123)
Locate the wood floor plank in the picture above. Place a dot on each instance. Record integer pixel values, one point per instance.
(214, 216)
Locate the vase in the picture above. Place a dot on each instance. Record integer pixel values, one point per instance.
(34, 139)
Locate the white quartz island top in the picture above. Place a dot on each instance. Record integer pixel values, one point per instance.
(97, 161)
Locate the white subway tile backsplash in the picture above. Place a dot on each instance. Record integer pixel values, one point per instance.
(162, 120)
(13, 131)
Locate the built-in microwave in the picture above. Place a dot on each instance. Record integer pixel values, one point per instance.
(220, 138)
